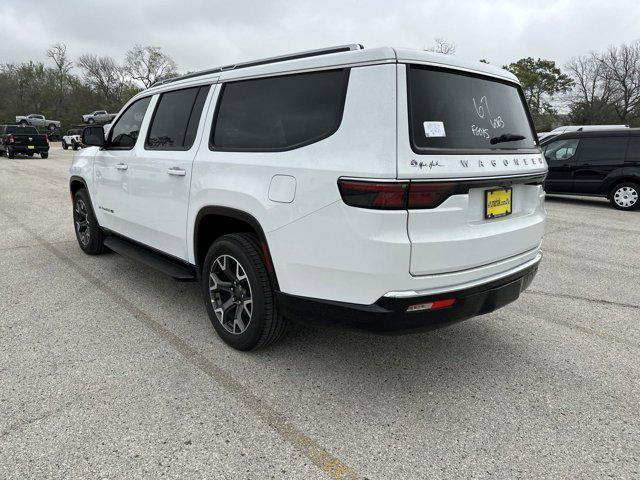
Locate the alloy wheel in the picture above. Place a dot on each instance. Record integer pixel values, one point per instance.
(625, 197)
(81, 219)
(230, 294)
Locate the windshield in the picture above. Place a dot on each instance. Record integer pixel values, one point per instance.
(15, 130)
(455, 110)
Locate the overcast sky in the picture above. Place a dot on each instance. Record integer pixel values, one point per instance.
(200, 33)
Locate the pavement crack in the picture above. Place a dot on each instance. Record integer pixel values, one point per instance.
(580, 297)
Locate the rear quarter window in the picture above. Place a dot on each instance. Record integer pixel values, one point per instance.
(603, 150)
(279, 113)
(451, 110)
(633, 150)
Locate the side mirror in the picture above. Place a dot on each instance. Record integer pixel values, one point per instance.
(93, 136)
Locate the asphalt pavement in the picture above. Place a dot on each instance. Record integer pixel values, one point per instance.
(110, 370)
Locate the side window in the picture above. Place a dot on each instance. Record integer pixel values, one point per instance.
(124, 132)
(603, 150)
(633, 151)
(279, 113)
(561, 150)
(175, 122)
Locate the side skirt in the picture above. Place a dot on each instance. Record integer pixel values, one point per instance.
(180, 271)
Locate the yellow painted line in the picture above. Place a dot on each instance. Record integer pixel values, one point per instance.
(332, 466)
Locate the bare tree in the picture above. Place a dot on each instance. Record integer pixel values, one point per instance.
(149, 64)
(58, 54)
(621, 67)
(442, 46)
(105, 76)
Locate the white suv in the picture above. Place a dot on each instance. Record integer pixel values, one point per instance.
(385, 189)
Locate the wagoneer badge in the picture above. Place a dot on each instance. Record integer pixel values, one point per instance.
(506, 162)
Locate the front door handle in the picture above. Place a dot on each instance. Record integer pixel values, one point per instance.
(121, 166)
(178, 172)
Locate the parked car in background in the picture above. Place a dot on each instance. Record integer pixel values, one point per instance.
(37, 120)
(73, 138)
(99, 116)
(605, 163)
(546, 136)
(18, 139)
(387, 189)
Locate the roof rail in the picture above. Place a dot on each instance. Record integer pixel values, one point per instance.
(265, 61)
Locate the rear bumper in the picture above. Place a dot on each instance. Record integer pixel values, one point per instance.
(25, 149)
(389, 314)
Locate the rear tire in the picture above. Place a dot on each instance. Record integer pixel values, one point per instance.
(11, 153)
(625, 196)
(75, 145)
(88, 232)
(44, 155)
(238, 294)
(91, 121)
(64, 145)
(23, 123)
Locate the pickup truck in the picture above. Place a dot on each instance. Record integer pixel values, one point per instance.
(20, 139)
(37, 120)
(99, 116)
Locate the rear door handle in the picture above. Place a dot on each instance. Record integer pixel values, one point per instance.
(121, 166)
(178, 172)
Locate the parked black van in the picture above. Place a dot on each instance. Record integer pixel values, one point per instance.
(604, 163)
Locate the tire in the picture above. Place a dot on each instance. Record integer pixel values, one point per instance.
(23, 122)
(91, 121)
(258, 324)
(44, 155)
(30, 154)
(51, 127)
(75, 145)
(64, 145)
(11, 153)
(625, 196)
(88, 232)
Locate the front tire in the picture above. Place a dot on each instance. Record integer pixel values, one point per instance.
(64, 145)
(91, 121)
(11, 153)
(88, 232)
(238, 294)
(625, 196)
(44, 155)
(75, 145)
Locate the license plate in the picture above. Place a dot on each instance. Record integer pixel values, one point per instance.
(31, 147)
(497, 203)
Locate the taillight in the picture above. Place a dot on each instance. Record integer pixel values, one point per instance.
(376, 195)
(395, 195)
(10, 138)
(428, 194)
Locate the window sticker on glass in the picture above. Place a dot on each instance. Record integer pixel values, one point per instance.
(434, 129)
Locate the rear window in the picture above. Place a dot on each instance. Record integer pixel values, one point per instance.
(279, 113)
(459, 111)
(15, 130)
(176, 119)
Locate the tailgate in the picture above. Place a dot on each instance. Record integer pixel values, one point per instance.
(38, 140)
(467, 134)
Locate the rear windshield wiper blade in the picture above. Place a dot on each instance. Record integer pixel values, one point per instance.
(507, 137)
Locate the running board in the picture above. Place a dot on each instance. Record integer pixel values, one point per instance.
(181, 272)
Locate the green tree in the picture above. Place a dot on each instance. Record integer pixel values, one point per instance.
(541, 82)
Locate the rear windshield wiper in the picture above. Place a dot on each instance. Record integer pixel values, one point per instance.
(507, 137)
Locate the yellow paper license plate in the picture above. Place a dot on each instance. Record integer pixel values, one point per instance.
(497, 203)
(31, 147)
